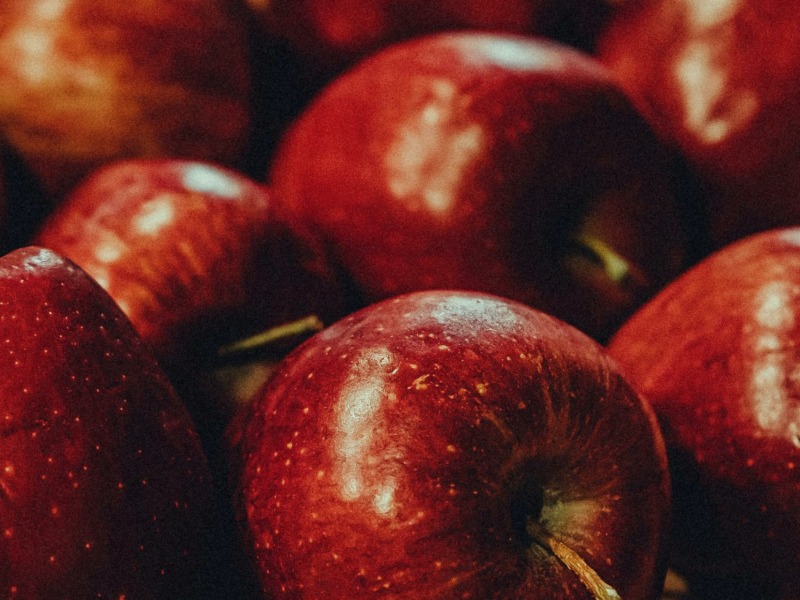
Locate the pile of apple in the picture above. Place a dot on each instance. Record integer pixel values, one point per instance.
(404, 299)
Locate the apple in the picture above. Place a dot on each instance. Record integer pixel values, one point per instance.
(105, 488)
(329, 35)
(716, 353)
(497, 163)
(197, 256)
(719, 81)
(84, 82)
(452, 445)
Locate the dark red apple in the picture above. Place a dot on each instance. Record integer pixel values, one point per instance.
(717, 353)
(331, 34)
(83, 82)
(452, 445)
(720, 81)
(489, 162)
(104, 488)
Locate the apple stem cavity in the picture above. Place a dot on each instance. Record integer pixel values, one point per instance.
(572, 560)
(616, 267)
(269, 338)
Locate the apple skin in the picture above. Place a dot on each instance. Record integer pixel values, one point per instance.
(716, 353)
(475, 161)
(105, 488)
(400, 451)
(719, 81)
(195, 254)
(86, 82)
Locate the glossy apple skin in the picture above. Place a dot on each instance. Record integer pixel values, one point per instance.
(105, 489)
(719, 81)
(472, 161)
(86, 82)
(400, 451)
(195, 254)
(716, 353)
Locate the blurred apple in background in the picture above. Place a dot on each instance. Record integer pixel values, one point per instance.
(720, 81)
(488, 162)
(84, 82)
(717, 353)
(197, 256)
(105, 489)
(453, 445)
(329, 35)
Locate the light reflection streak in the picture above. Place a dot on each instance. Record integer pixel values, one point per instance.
(772, 368)
(361, 472)
(432, 150)
(713, 108)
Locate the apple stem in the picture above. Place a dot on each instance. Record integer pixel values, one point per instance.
(264, 339)
(588, 576)
(617, 267)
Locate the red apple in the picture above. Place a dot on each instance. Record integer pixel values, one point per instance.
(452, 445)
(489, 162)
(717, 354)
(83, 82)
(197, 256)
(105, 489)
(720, 81)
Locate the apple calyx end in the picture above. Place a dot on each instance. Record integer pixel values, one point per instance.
(572, 560)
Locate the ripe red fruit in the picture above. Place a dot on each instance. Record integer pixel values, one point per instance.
(487, 162)
(452, 445)
(716, 353)
(720, 81)
(105, 490)
(83, 82)
(196, 255)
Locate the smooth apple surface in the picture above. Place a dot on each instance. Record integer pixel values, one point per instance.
(105, 489)
(196, 255)
(84, 82)
(496, 163)
(422, 447)
(716, 353)
(719, 80)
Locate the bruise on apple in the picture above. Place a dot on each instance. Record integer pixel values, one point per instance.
(441, 445)
(104, 488)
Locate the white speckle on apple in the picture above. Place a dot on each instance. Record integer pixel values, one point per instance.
(383, 501)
